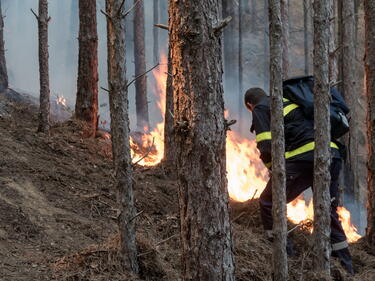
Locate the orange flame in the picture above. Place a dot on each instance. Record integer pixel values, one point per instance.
(247, 176)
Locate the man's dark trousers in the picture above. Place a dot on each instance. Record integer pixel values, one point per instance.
(299, 177)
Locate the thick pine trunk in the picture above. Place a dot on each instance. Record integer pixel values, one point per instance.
(3, 65)
(279, 258)
(285, 38)
(86, 108)
(141, 102)
(322, 155)
(156, 32)
(370, 89)
(118, 97)
(44, 110)
(206, 238)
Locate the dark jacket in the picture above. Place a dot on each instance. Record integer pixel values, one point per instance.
(298, 130)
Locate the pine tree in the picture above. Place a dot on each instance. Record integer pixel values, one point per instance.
(200, 131)
(3, 65)
(118, 97)
(86, 108)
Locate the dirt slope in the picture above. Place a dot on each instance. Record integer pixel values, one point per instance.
(58, 213)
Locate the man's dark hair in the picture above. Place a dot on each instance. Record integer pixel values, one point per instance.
(254, 95)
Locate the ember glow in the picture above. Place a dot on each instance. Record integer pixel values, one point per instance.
(247, 176)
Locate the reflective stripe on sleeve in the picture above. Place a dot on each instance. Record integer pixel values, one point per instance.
(305, 148)
(339, 246)
(263, 136)
(285, 100)
(268, 165)
(289, 108)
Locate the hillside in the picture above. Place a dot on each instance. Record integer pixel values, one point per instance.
(58, 212)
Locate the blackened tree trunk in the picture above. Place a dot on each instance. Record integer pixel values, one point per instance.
(141, 102)
(3, 65)
(118, 97)
(156, 32)
(285, 38)
(306, 6)
(200, 132)
(44, 100)
(370, 89)
(86, 108)
(322, 155)
(279, 257)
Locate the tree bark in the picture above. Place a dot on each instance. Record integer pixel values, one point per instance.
(254, 14)
(86, 108)
(285, 37)
(322, 155)
(279, 257)
(156, 32)
(118, 98)
(240, 67)
(44, 99)
(333, 67)
(200, 133)
(266, 51)
(370, 90)
(306, 5)
(3, 65)
(141, 102)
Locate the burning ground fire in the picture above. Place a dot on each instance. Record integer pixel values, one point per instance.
(247, 176)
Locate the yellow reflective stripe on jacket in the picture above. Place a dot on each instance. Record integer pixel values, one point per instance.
(268, 165)
(289, 108)
(263, 136)
(305, 148)
(285, 100)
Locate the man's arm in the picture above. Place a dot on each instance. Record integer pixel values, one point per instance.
(261, 123)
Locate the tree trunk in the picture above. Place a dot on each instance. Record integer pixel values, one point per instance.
(306, 5)
(266, 66)
(370, 89)
(285, 38)
(254, 15)
(87, 86)
(333, 68)
(279, 257)
(240, 67)
(141, 102)
(156, 32)
(3, 65)
(322, 155)
(44, 100)
(118, 98)
(200, 133)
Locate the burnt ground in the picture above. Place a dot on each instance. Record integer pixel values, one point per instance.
(58, 213)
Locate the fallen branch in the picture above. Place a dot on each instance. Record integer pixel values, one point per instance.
(255, 193)
(147, 153)
(139, 76)
(307, 223)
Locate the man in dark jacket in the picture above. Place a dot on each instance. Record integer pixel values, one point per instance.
(299, 156)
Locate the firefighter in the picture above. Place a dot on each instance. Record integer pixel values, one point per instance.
(299, 155)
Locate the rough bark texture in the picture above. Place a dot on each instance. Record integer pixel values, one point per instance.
(240, 67)
(333, 67)
(118, 97)
(306, 5)
(370, 89)
(322, 155)
(87, 85)
(44, 98)
(141, 102)
(3, 65)
(206, 238)
(285, 38)
(266, 51)
(279, 258)
(156, 32)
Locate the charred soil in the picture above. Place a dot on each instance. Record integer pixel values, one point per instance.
(58, 213)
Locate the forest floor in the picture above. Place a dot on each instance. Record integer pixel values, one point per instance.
(58, 213)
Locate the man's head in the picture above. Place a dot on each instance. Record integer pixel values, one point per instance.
(253, 96)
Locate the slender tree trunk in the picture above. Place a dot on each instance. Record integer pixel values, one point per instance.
(44, 109)
(254, 15)
(141, 102)
(156, 32)
(306, 5)
(87, 86)
(3, 65)
(285, 38)
(200, 132)
(266, 50)
(370, 89)
(322, 157)
(118, 97)
(333, 67)
(240, 67)
(279, 257)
